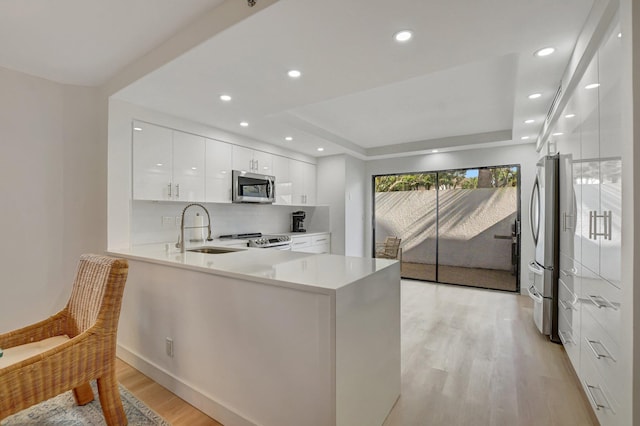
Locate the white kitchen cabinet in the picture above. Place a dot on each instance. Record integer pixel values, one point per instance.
(188, 167)
(218, 166)
(167, 164)
(253, 161)
(303, 179)
(283, 180)
(152, 162)
(589, 285)
(316, 243)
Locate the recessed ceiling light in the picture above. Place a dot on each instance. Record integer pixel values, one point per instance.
(569, 116)
(137, 129)
(557, 134)
(546, 51)
(194, 168)
(619, 35)
(294, 73)
(592, 86)
(320, 149)
(524, 138)
(402, 36)
(225, 98)
(288, 138)
(159, 164)
(434, 150)
(535, 95)
(244, 124)
(529, 121)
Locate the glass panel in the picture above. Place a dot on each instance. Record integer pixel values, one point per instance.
(405, 207)
(477, 239)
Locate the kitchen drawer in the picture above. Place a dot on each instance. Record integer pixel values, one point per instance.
(320, 239)
(603, 402)
(602, 300)
(604, 353)
(570, 337)
(568, 302)
(321, 248)
(300, 243)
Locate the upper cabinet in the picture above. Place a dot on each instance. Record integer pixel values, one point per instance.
(303, 179)
(253, 161)
(176, 166)
(167, 165)
(218, 166)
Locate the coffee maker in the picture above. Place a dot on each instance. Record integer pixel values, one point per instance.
(298, 221)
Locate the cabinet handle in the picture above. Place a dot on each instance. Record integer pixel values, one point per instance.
(563, 338)
(565, 228)
(177, 190)
(567, 305)
(597, 354)
(593, 225)
(606, 304)
(169, 189)
(592, 397)
(323, 239)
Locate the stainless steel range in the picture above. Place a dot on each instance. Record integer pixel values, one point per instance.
(256, 239)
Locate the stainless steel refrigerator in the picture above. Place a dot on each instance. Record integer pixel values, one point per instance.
(543, 270)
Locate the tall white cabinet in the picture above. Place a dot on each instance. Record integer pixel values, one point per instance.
(588, 139)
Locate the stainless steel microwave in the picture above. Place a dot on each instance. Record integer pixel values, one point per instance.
(252, 188)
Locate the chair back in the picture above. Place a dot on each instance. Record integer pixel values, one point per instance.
(391, 247)
(97, 293)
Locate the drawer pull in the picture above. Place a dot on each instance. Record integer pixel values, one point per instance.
(593, 399)
(605, 303)
(567, 305)
(322, 239)
(597, 354)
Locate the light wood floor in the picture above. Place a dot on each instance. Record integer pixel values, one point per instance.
(474, 277)
(469, 357)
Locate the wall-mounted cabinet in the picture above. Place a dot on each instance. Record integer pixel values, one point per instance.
(218, 166)
(177, 166)
(167, 165)
(252, 161)
(303, 183)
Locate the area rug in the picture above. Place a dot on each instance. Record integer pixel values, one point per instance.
(62, 410)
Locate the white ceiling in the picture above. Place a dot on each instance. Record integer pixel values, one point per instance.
(465, 75)
(85, 42)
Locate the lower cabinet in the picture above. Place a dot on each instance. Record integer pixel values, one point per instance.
(316, 243)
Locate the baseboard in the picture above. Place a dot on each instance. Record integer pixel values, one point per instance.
(184, 390)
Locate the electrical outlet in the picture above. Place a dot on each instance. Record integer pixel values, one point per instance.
(169, 347)
(168, 221)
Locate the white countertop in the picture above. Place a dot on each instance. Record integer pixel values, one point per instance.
(323, 273)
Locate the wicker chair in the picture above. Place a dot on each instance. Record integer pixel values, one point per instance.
(390, 249)
(90, 320)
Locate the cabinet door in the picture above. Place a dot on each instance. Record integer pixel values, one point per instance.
(188, 167)
(263, 162)
(610, 65)
(218, 171)
(587, 96)
(243, 159)
(310, 183)
(303, 179)
(152, 162)
(283, 181)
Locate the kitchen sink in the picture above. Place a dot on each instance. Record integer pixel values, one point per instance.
(214, 250)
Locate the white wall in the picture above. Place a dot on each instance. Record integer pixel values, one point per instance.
(525, 155)
(53, 192)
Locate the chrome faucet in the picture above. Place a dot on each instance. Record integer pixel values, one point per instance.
(180, 244)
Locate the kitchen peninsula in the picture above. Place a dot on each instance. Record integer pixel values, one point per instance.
(267, 337)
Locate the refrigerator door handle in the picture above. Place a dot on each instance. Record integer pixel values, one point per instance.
(533, 293)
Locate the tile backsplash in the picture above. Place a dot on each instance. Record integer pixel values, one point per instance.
(148, 226)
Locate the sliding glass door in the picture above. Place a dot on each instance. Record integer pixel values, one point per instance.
(457, 226)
